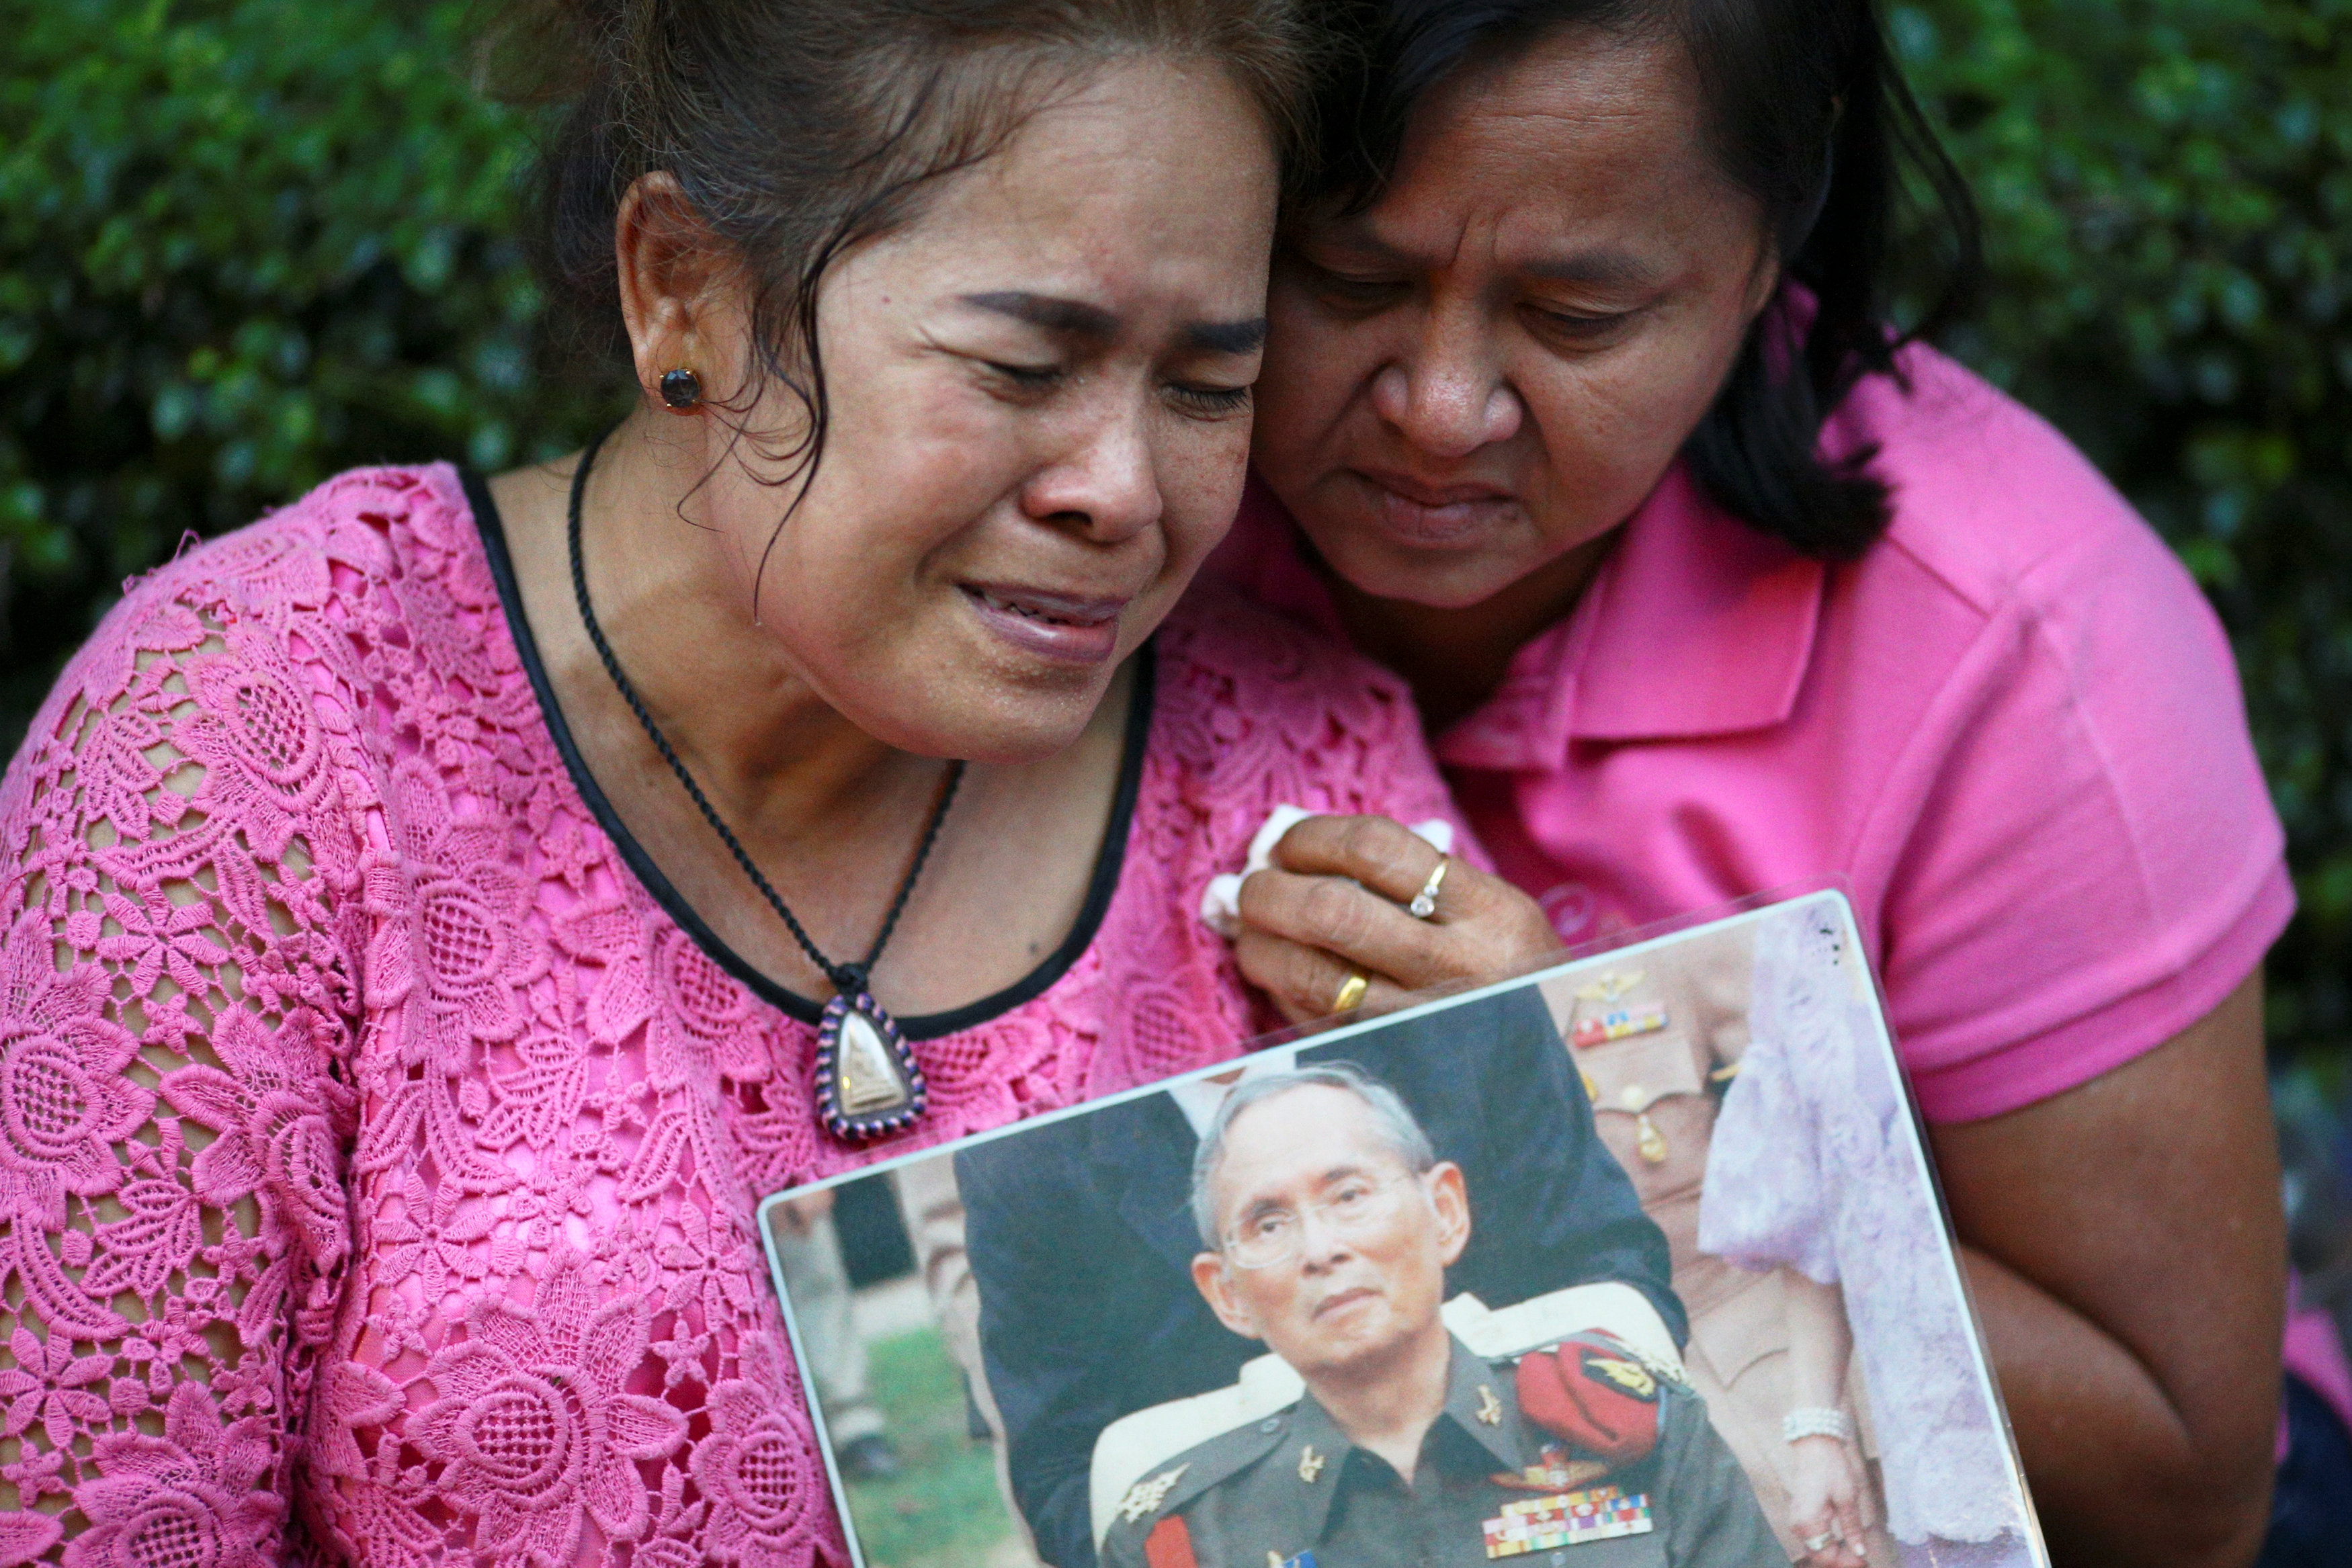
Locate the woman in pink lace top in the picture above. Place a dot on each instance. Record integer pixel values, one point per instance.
(391, 1057)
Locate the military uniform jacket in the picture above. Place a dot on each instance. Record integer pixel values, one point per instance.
(1291, 1491)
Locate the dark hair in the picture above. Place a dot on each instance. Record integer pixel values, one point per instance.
(1808, 112)
(797, 129)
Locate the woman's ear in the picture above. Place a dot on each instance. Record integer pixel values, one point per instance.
(1216, 1288)
(1451, 1196)
(671, 275)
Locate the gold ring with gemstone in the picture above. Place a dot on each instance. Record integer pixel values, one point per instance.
(1351, 991)
(1424, 903)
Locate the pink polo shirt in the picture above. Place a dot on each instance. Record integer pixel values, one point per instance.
(2013, 729)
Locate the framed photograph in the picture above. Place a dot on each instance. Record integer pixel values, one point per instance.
(1639, 1259)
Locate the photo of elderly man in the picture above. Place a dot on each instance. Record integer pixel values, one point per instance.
(1081, 1240)
(1327, 1224)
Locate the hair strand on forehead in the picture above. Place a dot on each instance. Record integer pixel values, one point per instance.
(798, 129)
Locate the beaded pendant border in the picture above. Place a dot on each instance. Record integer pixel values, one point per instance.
(868, 1083)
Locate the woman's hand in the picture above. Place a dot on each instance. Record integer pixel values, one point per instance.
(1333, 904)
(1828, 1497)
(1829, 1492)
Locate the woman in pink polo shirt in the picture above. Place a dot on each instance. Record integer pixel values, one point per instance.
(1579, 413)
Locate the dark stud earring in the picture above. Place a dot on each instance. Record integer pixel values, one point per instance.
(681, 389)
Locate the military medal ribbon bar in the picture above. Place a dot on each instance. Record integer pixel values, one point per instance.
(1566, 1519)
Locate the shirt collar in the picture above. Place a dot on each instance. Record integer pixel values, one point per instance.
(1315, 1444)
(1472, 1387)
(1486, 1405)
(1696, 624)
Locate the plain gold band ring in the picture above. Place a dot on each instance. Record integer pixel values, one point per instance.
(1424, 903)
(1351, 991)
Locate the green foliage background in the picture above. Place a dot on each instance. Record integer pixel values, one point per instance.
(247, 243)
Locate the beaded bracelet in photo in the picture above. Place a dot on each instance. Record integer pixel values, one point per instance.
(1816, 1421)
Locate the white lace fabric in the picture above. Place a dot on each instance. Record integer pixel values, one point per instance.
(1815, 1166)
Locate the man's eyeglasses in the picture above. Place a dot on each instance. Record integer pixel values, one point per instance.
(1270, 1236)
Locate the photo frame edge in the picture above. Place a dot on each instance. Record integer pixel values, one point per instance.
(1326, 1032)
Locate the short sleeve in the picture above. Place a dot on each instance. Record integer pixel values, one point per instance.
(172, 1121)
(2092, 862)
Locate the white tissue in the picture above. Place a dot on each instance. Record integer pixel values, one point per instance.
(1221, 902)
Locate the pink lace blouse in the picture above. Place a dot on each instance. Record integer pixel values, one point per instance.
(378, 1146)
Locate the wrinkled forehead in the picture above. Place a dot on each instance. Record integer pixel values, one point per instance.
(1149, 186)
(1630, 95)
(1584, 138)
(1288, 1145)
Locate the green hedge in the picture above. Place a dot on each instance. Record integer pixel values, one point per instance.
(244, 245)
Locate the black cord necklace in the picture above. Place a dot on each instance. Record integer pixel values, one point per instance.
(868, 1083)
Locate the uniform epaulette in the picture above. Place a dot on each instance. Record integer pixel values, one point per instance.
(1196, 1470)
